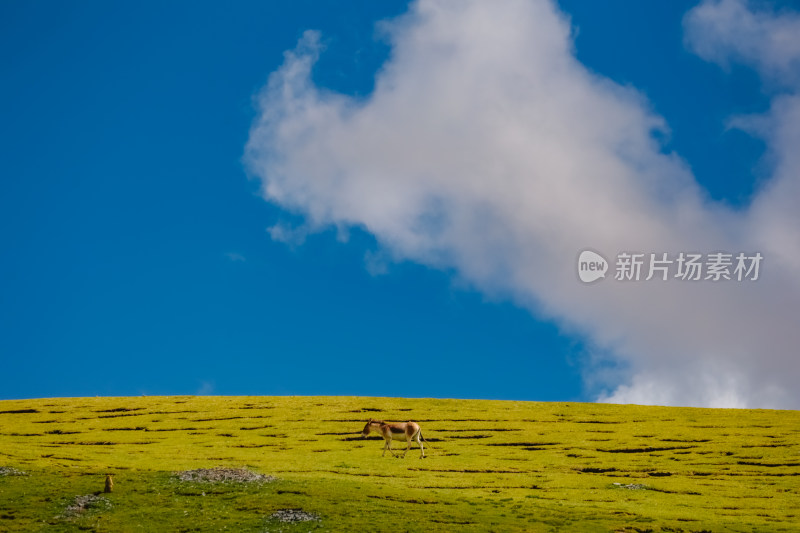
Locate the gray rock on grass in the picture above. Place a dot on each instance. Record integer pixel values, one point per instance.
(83, 503)
(10, 471)
(293, 515)
(223, 475)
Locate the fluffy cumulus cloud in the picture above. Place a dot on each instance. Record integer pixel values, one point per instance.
(487, 149)
(726, 31)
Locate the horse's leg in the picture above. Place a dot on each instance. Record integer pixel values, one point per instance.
(389, 447)
(421, 449)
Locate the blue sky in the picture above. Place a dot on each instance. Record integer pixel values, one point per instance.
(135, 257)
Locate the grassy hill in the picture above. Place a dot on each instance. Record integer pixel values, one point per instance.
(492, 466)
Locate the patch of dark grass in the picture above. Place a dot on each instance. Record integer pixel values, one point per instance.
(402, 500)
(450, 487)
(460, 420)
(172, 412)
(683, 492)
(361, 420)
(768, 465)
(649, 449)
(469, 470)
(118, 415)
(596, 470)
(523, 444)
(348, 420)
(103, 443)
(19, 412)
(481, 429)
(96, 443)
(198, 492)
(366, 474)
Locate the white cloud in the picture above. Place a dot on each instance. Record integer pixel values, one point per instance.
(376, 263)
(734, 30)
(725, 30)
(293, 236)
(488, 149)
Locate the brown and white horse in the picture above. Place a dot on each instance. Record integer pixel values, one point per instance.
(406, 431)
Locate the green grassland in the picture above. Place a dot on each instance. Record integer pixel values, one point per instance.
(491, 465)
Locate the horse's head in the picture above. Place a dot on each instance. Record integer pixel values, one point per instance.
(371, 425)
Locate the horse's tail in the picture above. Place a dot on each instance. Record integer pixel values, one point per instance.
(423, 439)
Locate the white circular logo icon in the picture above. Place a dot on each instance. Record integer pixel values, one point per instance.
(591, 266)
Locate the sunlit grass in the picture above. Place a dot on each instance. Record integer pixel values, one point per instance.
(492, 466)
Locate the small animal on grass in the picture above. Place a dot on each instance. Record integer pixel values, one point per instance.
(109, 484)
(406, 431)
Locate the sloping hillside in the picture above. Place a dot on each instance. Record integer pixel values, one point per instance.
(491, 466)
